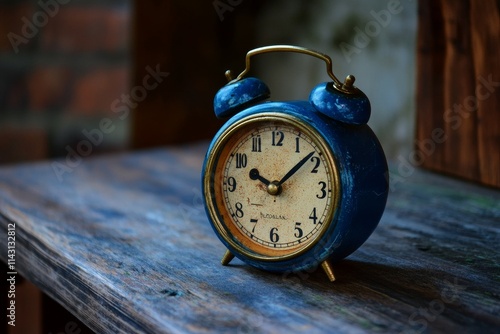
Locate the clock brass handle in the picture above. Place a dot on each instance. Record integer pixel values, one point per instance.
(346, 87)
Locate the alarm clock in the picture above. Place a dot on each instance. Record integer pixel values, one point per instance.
(291, 185)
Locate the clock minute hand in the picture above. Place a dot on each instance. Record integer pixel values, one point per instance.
(295, 168)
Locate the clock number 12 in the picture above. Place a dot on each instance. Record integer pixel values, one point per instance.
(278, 137)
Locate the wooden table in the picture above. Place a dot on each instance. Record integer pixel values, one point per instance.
(123, 243)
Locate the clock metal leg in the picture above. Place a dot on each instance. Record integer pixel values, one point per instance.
(327, 267)
(228, 256)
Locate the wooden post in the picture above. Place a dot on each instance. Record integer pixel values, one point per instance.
(458, 89)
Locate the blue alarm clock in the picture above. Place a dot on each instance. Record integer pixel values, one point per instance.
(288, 186)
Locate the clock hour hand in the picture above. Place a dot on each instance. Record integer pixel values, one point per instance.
(254, 175)
(295, 168)
(273, 188)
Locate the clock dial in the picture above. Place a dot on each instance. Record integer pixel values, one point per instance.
(275, 187)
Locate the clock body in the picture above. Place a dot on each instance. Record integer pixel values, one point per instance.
(287, 187)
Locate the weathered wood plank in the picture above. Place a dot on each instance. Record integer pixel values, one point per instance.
(457, 94)
(124, 244)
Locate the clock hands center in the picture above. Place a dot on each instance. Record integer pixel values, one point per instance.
(274, 188)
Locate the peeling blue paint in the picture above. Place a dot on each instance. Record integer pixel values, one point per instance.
(341, 120)
(346, 108)
(234, 97)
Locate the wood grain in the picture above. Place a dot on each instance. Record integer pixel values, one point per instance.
(458, 86)
(124, 244)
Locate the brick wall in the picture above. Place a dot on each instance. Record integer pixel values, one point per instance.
(62, 64)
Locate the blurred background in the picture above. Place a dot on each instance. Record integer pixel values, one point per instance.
(123, 74)
(61, 65)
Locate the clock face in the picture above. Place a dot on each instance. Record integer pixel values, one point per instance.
(273, 186)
